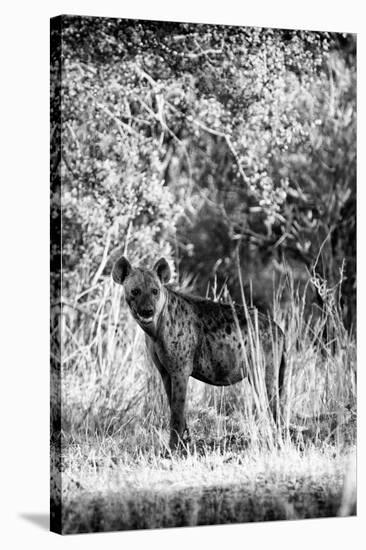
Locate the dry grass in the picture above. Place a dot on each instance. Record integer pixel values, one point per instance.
(238, 468)
(105, 491)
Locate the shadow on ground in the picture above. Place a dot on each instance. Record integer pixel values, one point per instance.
(41, 520)
(197, 506)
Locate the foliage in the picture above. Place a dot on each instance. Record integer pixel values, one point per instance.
(221, 148)
(173, 130)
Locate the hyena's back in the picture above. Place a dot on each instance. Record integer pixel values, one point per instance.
(229, 339)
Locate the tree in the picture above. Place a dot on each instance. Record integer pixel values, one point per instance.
(204, 138)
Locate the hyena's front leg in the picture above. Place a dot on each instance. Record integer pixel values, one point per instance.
(167, 382)
(179, 383)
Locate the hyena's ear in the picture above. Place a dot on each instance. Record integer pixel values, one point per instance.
(121, 269)
(163, 270)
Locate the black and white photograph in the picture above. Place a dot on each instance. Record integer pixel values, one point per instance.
(203, 274)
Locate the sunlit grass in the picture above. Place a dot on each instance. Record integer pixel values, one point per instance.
(104, 490)
(238, 467)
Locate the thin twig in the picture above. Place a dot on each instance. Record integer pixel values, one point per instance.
(120, 125)
(198, 123)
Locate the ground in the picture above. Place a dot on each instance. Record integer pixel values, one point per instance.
(112, 455)
(106, 489)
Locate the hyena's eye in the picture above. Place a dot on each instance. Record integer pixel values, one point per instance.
(155, 291)
(135, 291)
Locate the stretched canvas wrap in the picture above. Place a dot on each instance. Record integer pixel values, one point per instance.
(203, 274)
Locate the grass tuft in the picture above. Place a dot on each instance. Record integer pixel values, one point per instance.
(114, 426)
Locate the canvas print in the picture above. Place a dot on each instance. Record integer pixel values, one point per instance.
(203, 274)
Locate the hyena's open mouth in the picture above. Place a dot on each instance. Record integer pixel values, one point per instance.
(144, 320)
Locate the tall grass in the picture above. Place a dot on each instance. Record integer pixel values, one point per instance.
(109, 389)
(239, 466)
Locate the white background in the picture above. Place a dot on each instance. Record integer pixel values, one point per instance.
(24, 233)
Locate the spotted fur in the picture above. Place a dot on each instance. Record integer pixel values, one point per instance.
(190, 336)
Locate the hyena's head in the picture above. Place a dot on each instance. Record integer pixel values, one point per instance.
(144, 289)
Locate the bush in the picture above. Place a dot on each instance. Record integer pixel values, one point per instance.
(170, 130)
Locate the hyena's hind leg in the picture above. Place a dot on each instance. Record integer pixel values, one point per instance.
(274, 378)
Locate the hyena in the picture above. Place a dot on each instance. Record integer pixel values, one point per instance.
(191, 336)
